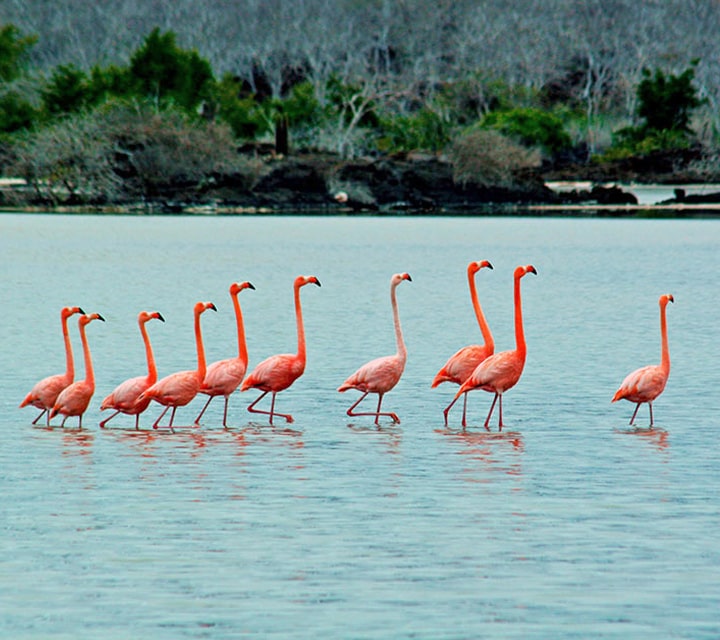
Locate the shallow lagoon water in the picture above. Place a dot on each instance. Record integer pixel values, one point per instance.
(568, 524)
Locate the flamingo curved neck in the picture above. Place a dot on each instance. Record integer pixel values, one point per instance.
(519, 332)
(89, 373)
(484, 328)
(402, 351)
(665, 349)
(69, 363)
(202, 367)
(300, 328)
(242, 343)
(152, 369)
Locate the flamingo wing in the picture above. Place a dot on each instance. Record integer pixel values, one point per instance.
(499, 372)
(45, 392)
(125, 396)
(275, 373)
(461, 364)
(642, 385)
(177, 389)
(377, 376)
(223, 377)
(74, 399)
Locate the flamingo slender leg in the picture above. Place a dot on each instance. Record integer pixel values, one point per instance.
(200, 415)
(651, 414)
(40, 415)
(637, 406)
(492, 407)
(160, 417)
(104, 422)
(351, 411)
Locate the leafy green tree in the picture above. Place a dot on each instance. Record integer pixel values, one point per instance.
(67, 90)
(16, 113)
(163, 71)
(14, 49)
(666, 101)
(241, 112)
(425, 130)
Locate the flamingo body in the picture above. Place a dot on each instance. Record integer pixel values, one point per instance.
(381, 374)
(223, 377)
(74, 399)
(45, 392)
(180, 388)
(501, 371)
(463, 362)
(644, 385)
(125, 398)
(278, 372)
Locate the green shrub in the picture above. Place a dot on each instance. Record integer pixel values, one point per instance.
(14, 49)
(424, 130)
(16, 113)
(67, 91)
(532, 127)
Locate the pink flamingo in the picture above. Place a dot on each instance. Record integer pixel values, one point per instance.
(224, 376)
(178, 389)
(501, 371)
(124, 399)
(460, 365)
(74, 399)
(46, 391)
(277, 373)
(382, 374)
(647, 383)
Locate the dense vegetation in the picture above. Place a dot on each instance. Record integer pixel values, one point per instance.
(170, 89)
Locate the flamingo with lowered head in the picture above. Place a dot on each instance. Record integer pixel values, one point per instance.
(382, 374)
(277, 373)
(125, 397)
(178, 389)
(45, 392)
(647, 383)
(224, 376)
(74, 399)
(462, 363)
(501, 371)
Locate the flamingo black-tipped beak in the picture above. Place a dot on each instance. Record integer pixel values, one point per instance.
(317, 282)
(212, 306)
(80, 310)
(531, 269)
(99, 317)
(159, 316)
(489, 265)
(670, 298)
(406, 276)
(250, 286)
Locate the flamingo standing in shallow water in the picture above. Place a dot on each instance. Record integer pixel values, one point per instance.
(46, 391)
(224, 376)
(501, 371)
(647, 383)
(461, 364)
(125, 397)
(277, 373)
(382, 374)
(178, 389)
(74, 399)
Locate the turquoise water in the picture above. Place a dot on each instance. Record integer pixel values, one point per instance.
(568, 524)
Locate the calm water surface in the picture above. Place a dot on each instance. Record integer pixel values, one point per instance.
(568, 524)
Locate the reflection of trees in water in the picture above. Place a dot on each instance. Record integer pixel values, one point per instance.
(490, 453)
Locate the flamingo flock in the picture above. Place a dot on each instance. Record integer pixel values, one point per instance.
(472, 367)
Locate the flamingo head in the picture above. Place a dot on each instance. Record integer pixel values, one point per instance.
(201, 307)
(144, 316)
(398, 278)
(474, 267)
(87, 318)
(665, 298)
(237, 287)
(301, 281)
(66, 312)
(521, 271)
